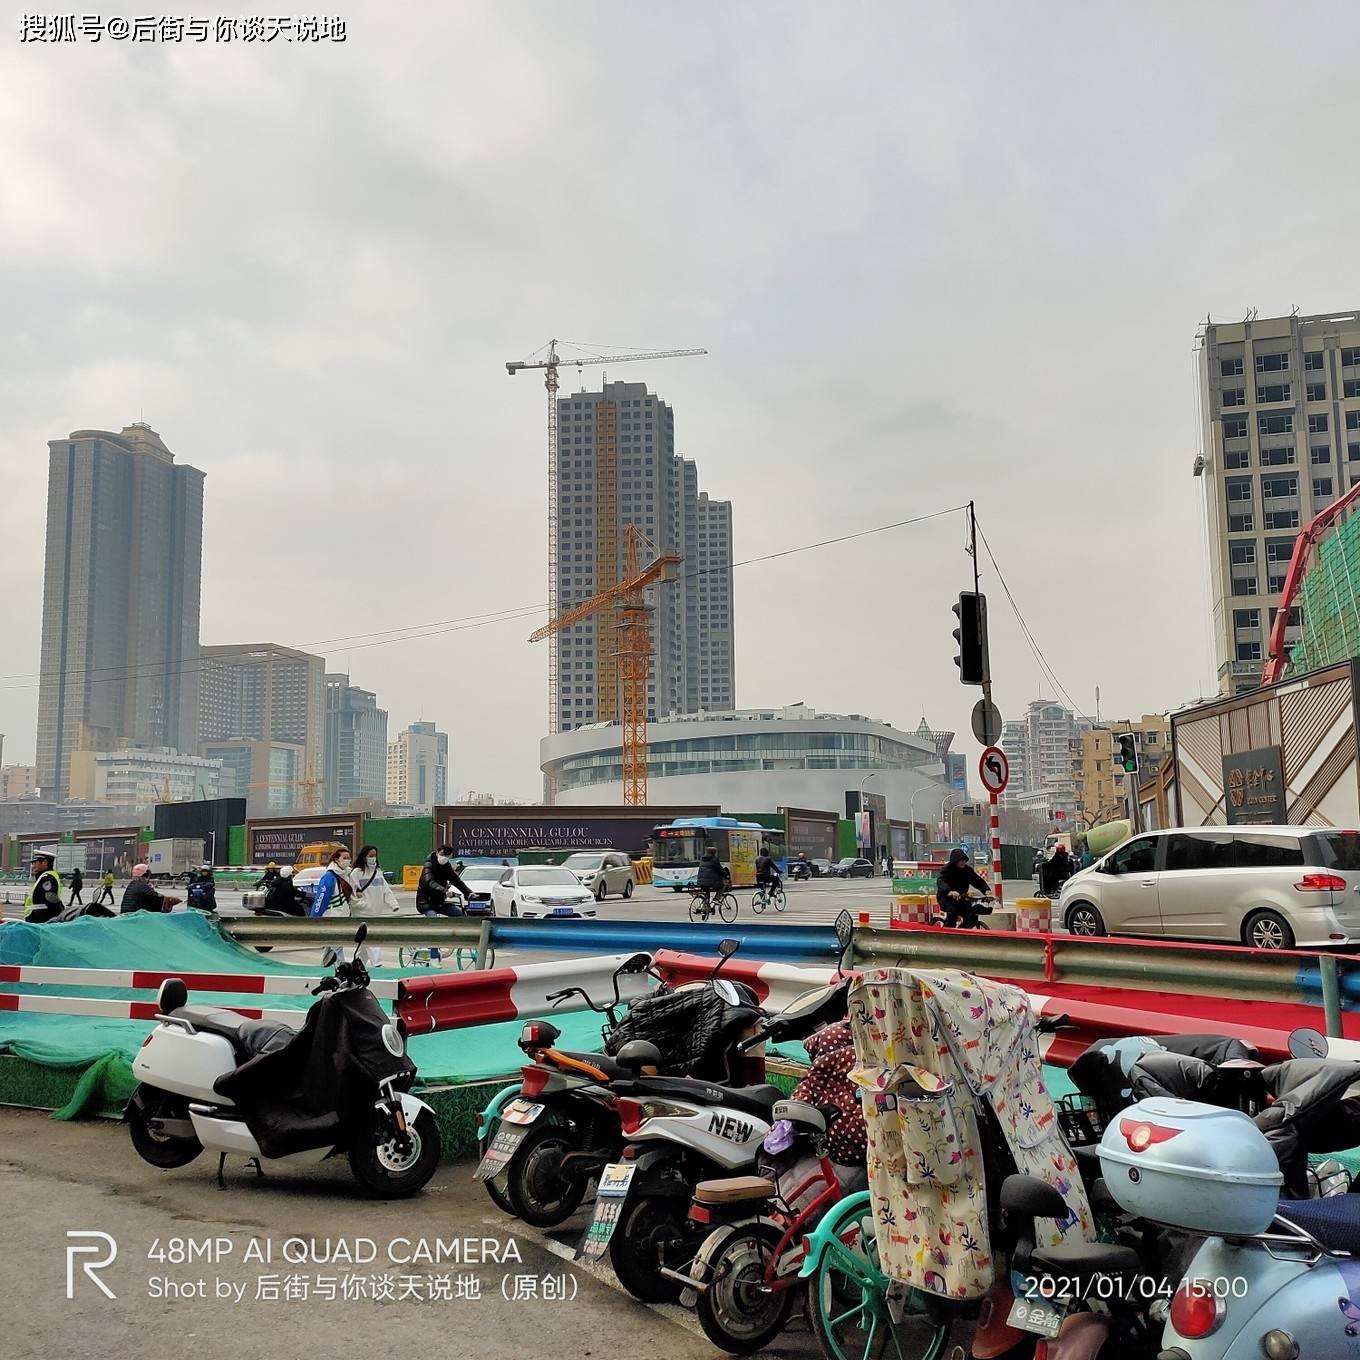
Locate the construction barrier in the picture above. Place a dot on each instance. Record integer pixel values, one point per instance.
(410, 876)
(279, 984)
(642, 870)
(1033, 914)
(912, 909)
(443, 1001)
(128, 1010)
(443, 931)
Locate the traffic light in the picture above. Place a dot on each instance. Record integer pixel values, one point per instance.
(1128, 753)
(971, 635)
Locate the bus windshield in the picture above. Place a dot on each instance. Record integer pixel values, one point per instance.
(674, 847)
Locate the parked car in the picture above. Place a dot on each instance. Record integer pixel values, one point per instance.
(1272, 887)
(537, 890)
(851, 868)
(481, 879)
(603, 872)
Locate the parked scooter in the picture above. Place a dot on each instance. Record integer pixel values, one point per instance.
(211, 1078)
(682, 1132)
(544, 1140)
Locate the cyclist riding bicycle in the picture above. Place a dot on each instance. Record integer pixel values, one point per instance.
(712, 876)
(952, 887)
(767, 871)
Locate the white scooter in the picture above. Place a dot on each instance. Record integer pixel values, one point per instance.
(211, 1078)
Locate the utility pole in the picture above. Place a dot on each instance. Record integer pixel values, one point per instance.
(986, 695)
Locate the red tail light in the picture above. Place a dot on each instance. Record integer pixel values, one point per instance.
(1321, 883)
(699, 1213)
(1140, 1135)
(1196, 1310)
(631, 1115)
(481, 1119)
(535, 1079)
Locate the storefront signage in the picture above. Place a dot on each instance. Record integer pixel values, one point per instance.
(1253, 786)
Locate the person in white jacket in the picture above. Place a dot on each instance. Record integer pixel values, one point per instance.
(373, 895)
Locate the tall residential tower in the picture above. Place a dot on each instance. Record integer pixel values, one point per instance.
(1280, 404)
(617, 465)
(120, 599)
(356, 744)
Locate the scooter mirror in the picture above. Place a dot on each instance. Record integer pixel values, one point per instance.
(361, 934)
(329, 958)
(726, 948)
(845, 930)
(1308, 1043)
(639, 963)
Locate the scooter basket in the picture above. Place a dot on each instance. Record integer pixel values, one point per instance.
(1081, 1121)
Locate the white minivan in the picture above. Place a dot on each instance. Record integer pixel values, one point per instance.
(1272, 887)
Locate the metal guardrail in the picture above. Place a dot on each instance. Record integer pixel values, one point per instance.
(1229, 971)
(301, 930)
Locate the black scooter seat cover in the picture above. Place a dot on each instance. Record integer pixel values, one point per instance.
(318, 1090)
(757, 1100)
(694, 1030)
(1334, 1221)
(248, 1037)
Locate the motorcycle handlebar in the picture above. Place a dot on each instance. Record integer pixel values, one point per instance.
(1051, 1024)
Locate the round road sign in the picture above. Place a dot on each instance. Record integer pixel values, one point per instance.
(994, 769)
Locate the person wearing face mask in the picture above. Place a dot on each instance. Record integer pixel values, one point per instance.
(373, 893)
(334, 892)
(436, 878)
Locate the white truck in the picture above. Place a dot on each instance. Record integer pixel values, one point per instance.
(174, 856)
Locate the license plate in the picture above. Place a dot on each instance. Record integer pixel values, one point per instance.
(610, 1195)
(513, 1129)
(564, 911)
(1042, 1319)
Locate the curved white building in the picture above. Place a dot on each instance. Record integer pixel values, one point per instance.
(755, 760)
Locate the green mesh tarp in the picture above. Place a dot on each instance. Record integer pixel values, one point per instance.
(1329, 601)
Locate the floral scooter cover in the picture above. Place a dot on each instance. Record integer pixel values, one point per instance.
(929, 1046)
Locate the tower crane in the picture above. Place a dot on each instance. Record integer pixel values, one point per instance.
(549, 364)
(635, 650)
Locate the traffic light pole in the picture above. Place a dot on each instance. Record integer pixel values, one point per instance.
(987, 699)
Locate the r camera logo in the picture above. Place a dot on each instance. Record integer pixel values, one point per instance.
(90, 1244)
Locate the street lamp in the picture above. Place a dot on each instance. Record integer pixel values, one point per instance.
(952, 793)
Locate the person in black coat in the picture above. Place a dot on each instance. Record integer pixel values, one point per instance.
(284, 895)
(139, 895)
(436, 878)
(952, 887)
(712, 875)
(77, 885)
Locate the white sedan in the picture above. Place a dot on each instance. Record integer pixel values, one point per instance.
(533, 891)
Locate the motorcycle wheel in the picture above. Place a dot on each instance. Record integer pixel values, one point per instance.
(649, 1225)
(165, 1150)
(847, 1301)
(738, 1314)
(495, 1187)
(538, 1191)
(387, 1174)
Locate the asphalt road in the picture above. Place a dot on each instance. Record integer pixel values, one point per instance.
(84, 1177)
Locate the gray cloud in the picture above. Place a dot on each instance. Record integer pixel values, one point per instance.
(934, 256)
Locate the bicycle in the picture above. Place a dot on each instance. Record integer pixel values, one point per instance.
(769, 895)
(723, 902)
(427, 956)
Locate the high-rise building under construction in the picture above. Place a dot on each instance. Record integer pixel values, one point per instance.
(616, 465)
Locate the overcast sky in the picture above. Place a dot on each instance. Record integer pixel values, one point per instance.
(934, 253)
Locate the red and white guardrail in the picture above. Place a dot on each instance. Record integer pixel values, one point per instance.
(482, 997)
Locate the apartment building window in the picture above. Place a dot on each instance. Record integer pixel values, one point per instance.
(1353, 420)
(1273, 363)
(1246, 619)
(1317, 424)
(1230, 368)
(1275, 582)
(1351, 387)
(1279, 487)
(1320, 453)
(1242, 553)
(1234, 427)
(1237, 458)
(1279, 549)
(1248, 651)
(1239, 488)
(1322, 486)
(1350, 358)
(1282, 519)
(1295, 616)
(1241, 524)
(1234, 396)
(1244, 585)
(1353, 453)
(1316, 391)
(1277, 457)
(1313, 361)
(1273, 392)
(1281, 424)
